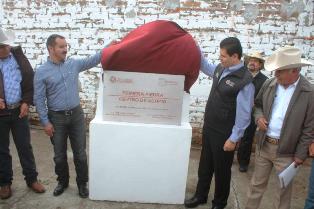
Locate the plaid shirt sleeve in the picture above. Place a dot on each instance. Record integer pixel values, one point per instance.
(12, 80)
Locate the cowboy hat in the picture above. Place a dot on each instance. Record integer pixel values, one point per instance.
(6, 37)
(256, 55)
(285, 58)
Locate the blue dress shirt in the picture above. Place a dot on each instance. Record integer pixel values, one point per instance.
(56, 84)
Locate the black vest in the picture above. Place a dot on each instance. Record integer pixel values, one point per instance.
(221, 106)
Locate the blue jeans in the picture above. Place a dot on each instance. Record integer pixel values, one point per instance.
(70, 126)
(309, 202)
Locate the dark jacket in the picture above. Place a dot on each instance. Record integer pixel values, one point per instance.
(27, 76)
(220, 111)
(258, 82)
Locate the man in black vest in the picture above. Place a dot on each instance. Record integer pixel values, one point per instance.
(255, 63)
(227, 115)
(16, 94)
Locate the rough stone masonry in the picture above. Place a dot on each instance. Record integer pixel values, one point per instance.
(262, 25)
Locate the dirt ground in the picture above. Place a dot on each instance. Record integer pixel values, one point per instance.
(24, 198)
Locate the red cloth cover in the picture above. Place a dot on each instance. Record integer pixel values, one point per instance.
(156, 47)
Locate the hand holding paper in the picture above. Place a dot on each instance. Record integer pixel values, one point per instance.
(287, 175)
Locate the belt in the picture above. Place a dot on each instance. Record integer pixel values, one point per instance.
(13, 106)
(272, 140)
(67, 112)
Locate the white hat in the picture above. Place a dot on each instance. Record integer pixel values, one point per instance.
(6, 37)
(285, 58)
(256, 55)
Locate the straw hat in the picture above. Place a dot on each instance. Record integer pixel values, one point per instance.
(285, 58)
(256, 55)
(6, 37)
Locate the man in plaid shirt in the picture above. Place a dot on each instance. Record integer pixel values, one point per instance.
(16, 94)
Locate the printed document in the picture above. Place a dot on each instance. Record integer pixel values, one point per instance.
(287, 175)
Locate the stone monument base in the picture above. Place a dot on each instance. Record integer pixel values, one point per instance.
(137, 162)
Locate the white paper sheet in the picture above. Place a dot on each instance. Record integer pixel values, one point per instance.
(287, 175)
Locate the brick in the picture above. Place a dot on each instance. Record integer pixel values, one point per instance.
(88, 24)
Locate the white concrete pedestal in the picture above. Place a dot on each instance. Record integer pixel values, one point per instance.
(138, 162)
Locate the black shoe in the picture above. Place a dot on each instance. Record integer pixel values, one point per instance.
(217, 207)
(60, 189)
(194, 202)
(243, 168)
(83, 191)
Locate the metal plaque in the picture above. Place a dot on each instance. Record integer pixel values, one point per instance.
(143, 97)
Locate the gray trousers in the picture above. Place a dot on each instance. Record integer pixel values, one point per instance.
(69, 124)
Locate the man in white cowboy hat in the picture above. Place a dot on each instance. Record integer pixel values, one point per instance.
(284, 113)
(16, 94)
(255, 63)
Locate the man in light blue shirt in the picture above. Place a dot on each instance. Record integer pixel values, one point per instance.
(227, 114)
(56, 96)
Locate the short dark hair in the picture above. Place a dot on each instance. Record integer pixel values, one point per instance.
(51, 41)
(232, 46)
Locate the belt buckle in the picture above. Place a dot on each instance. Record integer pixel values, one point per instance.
(13, 106)
(68, 112)
(271, 140)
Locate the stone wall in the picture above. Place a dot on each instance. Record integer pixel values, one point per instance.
(262, 25)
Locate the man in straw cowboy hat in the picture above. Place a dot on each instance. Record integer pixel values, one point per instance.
(284, 113)
(255, 63)
(16, 94)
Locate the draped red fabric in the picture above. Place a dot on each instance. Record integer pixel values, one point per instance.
(157, 47)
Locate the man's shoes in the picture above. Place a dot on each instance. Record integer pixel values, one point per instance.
(37, 187)
(217, 207)
(60, 189)
(243, 168)
(5, 192)
(194, 202)
(83, 190)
